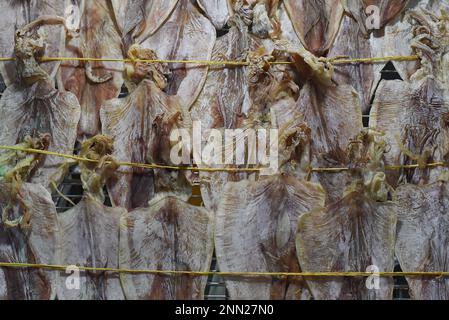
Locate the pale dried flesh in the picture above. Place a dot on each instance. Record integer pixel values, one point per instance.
(217, 11)
(41, 110)
(139, 19)
(33, 108)
(362, 11)
(18, 13)
(414, 114)
(169, 235)
(256, 233)
(351, 42)
(316, 22)
(93, 82)
(33, 240)
(89, 236)
(413, 117)
(187, 35)
(422, 240)
(348, 236)
(220, 106)
(335, 118)
(140, 125)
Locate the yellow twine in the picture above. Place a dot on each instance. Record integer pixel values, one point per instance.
(380, 59)
(227, 274)
(61, 194)
(130, 164)
(179, 168)
(208, 62)
(388, 168)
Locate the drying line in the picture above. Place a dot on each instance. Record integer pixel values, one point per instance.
(387, 168)
(334, 61)
(371, 60)
(127, 60)
(225, 274)
(129, 164)
(196, 169)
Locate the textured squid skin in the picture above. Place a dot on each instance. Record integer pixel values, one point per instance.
(398, 37)
(34, 241)
(140, 125)
(255, 232)
(395, 42)
(98, 38)
(316, 22)
(332, 113)
(335, 118)
(219, 105)
(422, 239)
(388, 10)
(41, 109)
(139, 19)
(241, 98)
(349, 235)
(220, 102)
(89, 236)
(217, 11)
(186, 35)
(351, 42)
(18, 13)
(393, 38)
(169, 235)
(416, 113)
(3, 288)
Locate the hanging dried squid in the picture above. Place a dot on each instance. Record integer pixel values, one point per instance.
(33, 107)
(29, 227)
(89, 232)
(354, 234)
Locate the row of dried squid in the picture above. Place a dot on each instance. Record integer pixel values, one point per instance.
(299, 219)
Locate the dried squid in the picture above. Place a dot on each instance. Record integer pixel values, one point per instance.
(217, 11)
(141, 126)
(18, 13)
(351, 42)
(29, 229)
(89, 232)
(334, 116)
(356, 233)
(93, 82)
(250, 98)
(33, 107)
(365, 12)
(414, 114)
(169, 235)
(186, 35)
(316, 22)
(139, 19)
(220, 106)
(422, 240)
(262, 220)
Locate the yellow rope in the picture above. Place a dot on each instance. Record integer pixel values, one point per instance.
(228, 274)
(380, 59)
(130, 164)
(61, 194)
(388, 168)
(234, 63)
(179, 168)
(417, 166)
